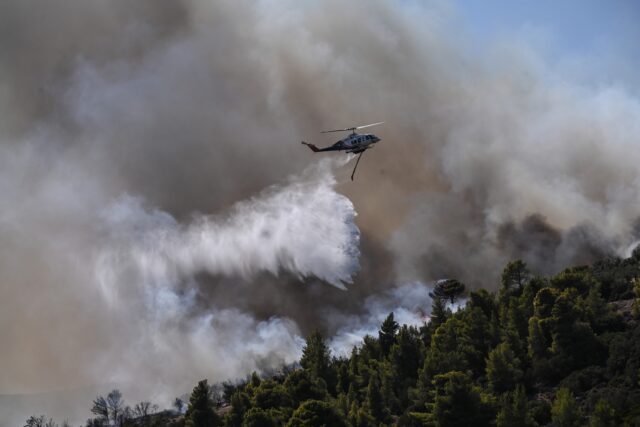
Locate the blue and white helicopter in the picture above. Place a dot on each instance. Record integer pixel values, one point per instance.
(354, 143)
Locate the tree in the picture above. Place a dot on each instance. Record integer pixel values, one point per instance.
(503, 369)
(94, 422)
(565, 411)
(40, 421)
(101, 409)
(240, 404)
(316, 358)
(604, 415)
(387, 334)
(574, 345)
(375, 401)
(544, 301)
(514, 276)
(480, 337)
(448, 352)
(115, 406)
(439, 312)
(514, 411)
(269, 395)
(257, 417)
(301, 386)
(538, 343)
(201, 412)
(484, 301)
(344, 379)
(458, 403)
(449, 289)
(405, 361)
(316, 413)
(142, 409)
(359, 417)
(370, 349)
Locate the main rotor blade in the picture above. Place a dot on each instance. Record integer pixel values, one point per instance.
(352, 128)
(337, 130)
(372, 124)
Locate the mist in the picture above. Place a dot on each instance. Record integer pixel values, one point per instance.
(161, 223)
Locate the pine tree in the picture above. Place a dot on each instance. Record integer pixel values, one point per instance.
(270, 395)
(544, 301)
(352, 395)
(603, 415)
(503, 369)
(258, 417)
(316, 359)
(344, 379)
(405, 362)
(514, 276)
(315, 413)
(565, 411)
(301, 386)
(538, 345)
(240, 404)
(352, 416)
(477, 331)
(449, 346)
(458, 403)
(387, 334)
(439, 312)
(514, 411)
(101, 409)
(375, 400)
(201, 412)
(449, 289)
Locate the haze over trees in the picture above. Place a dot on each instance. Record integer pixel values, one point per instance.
(561, 351)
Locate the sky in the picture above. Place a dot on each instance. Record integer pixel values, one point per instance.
(596, 40)
(572, 26)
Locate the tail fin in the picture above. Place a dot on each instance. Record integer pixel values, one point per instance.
(311, 146)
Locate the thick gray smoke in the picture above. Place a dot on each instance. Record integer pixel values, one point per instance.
(161, 223)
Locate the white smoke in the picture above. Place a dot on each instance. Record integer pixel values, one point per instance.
(410, 304)
(305, 228)
(150, 263)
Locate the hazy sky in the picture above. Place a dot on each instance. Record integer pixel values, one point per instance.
(595, 41)
(571, 26)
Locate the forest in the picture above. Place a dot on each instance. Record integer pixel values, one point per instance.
(560, 351)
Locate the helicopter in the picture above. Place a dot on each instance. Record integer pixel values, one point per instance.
(354, 143)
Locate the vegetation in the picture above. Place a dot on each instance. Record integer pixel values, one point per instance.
(561, 351)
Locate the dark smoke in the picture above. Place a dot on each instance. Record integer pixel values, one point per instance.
(161, 223)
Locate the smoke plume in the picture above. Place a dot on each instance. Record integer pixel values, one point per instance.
(161, 223)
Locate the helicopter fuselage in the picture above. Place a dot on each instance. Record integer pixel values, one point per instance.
(354, 143)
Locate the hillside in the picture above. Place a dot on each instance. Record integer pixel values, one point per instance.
(561, 350)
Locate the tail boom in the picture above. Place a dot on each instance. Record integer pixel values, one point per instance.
(312, 147)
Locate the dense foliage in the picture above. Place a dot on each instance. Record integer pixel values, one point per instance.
(540, 351)
(562, 351)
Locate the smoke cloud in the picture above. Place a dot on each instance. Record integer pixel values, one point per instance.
(161, 223)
